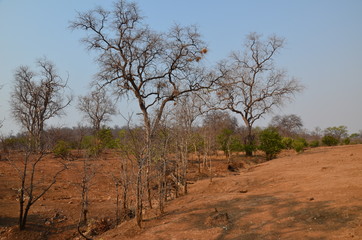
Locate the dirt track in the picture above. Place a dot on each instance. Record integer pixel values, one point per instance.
(314, 195)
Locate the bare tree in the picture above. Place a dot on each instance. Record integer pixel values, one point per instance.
(38, 97)
(154, 68)
(32, 187)
(88, 174)
(133, 147)
(187, 110)
(35, 99)
(163, 144)
(97, 108)
(253, 85)
(288, 125)
(123, 176)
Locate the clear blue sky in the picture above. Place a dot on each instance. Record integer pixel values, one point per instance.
(324, 48)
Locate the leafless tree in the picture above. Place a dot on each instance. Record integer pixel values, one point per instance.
(154, 68)
(288, 125)
(187, 110)
(163, 144)
(133, 148)
(123, 175)
(253, 85)
(97, 108)
(37, 97)
(32, 187)
(87, 175)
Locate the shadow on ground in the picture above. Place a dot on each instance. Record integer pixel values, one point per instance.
(281, 218)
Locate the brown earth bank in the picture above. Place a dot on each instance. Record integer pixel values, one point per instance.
(313, 195)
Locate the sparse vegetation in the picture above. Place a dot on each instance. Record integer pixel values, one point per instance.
(182, 124)
(299, 144)
(314, 143)
(251, 85)
(329, 140)
(287, 142)
(62, 149)
(270, 143)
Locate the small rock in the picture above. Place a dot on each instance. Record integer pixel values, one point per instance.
(311, 199)
(243, 191)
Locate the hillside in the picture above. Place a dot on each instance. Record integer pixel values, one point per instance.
(313, 195)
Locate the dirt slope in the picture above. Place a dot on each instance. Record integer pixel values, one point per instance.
(314, 195)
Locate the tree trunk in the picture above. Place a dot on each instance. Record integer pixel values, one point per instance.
(25, 215)
(177, 181)
(21, 203)
(184, 168)
(161, 192)
(148, 161)
(139, 208)
(117, 204)
(249, 142)
(148, 187)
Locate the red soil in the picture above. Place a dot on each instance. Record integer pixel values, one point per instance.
(313, 195)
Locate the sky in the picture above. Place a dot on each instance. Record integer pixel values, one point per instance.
(323, 49)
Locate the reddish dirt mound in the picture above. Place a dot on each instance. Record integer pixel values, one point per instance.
(314, 195)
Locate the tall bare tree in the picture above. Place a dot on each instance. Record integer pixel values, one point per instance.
(37, 97)
(98, 107)
(253, 85)
(154, 68)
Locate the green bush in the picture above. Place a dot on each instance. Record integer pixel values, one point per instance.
(14, 143)
(330, 140)
(314, 143)
(249, 148)
(103, 140)
(62, 149)
(106, 139)
(88, 142)
(299, 144)
(287, 142)
(270, 142)
(236, 145)
(92, 145)
(224, 139)
(346, 141)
